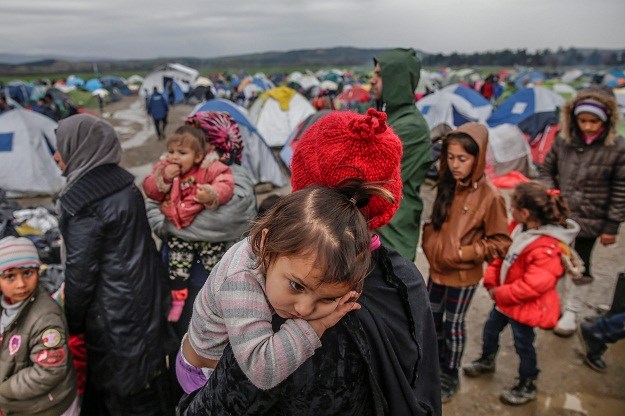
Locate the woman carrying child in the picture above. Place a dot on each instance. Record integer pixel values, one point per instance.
(523, 285)
(192, 177)
(468, 227)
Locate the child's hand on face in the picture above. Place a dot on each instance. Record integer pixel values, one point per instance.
(346, 304)
(171, 171)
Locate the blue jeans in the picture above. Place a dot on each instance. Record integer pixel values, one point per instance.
(523, 342)
(610, 329)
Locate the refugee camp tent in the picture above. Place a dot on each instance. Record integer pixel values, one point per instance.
(277, 112)
(19, 91)
(27, 143)
(352, 97)
(614, 78)
(565, 90)
(93, 84)
(531, 109)
(619, 93)
(289, 147)
(183, 76)
(111, 81)
(453, 106)
(571, 75)
(135, 79)
(74, 81)
(258, 158)
(426, 82)
(508, 151)
(525, 78)
(467, 75)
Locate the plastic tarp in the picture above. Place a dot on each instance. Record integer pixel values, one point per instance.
(93, 84)
(274, 123)
(531, 109)
(258, 157)
(183, 75)
(27, 143)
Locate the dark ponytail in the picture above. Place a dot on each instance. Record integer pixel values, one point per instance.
(545, 205)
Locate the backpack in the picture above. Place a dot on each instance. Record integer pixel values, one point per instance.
(573, 264)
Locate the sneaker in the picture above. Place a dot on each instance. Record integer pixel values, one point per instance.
(593, 347)
(449, 386)
(478, 367)
(524, 392)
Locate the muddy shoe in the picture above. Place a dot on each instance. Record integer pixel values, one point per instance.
(593, 347)
(566, 325)
(478, 367)
(449, 387)
(524, 392)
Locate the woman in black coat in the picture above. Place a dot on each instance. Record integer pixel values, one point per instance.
(113, 277)
(379, 360)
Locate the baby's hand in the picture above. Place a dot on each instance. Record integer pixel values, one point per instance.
(207, 196)
(171, 171)
(346, 304)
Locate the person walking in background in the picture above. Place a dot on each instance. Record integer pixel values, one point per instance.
(587, 164)
(523, 285)
(114, 279)
(159, 109)
(394, 81)
(468, 226)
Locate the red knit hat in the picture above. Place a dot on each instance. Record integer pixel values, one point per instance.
(344, 145)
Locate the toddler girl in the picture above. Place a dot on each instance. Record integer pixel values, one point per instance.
(523, 285)
(468, 226)
(189, 179)
(305, 259)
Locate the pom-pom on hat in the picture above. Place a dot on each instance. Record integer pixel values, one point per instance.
(344, 145)
(18, 252)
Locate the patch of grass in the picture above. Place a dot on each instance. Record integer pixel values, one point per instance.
(620, 127)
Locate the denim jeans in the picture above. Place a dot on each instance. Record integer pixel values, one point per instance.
(611, 328)
(523, 342)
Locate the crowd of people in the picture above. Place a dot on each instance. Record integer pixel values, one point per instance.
(314, 305)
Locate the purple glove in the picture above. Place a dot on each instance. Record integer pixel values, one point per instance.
(189, 377)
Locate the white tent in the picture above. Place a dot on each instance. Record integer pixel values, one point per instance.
(509, 150)
(275, 120)
(27, 143)
(183, 75)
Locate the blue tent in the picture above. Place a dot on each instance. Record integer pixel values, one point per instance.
(257, 155)
(527, 77)
(73, 81)
(93, 84)
(531, 109)
(19, 91)
(111, 81)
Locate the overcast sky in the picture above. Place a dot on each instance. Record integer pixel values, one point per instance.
(209, 28)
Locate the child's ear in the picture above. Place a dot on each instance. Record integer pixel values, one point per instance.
(198, 158)
(263, 234)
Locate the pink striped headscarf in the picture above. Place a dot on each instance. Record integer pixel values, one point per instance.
(222, 132)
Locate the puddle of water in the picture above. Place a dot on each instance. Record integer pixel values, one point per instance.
(580, 404)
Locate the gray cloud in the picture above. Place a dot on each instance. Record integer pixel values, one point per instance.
(143, 28)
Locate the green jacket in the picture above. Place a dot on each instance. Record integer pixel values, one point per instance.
(36, 372)
(400, 74)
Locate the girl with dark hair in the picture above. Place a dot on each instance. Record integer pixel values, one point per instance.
(523, 285)
(304, 260)
(587, 164)
(468, 226)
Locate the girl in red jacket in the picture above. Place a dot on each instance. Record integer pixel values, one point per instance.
(191, 178)
(523, 285)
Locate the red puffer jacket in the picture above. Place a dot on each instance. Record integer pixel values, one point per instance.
(528, 294)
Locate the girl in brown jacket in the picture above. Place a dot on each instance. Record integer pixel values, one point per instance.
(468, 226)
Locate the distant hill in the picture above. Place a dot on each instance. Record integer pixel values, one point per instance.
(16, 65)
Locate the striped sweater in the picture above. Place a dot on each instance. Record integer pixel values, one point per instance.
(232, 307)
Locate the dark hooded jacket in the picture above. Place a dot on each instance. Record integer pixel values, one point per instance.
(380, 360)
(591, 177)
(477, 224)
(400, 70)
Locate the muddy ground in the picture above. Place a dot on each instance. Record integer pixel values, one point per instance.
(566, 385)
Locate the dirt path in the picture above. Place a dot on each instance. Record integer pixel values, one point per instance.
(566, 385)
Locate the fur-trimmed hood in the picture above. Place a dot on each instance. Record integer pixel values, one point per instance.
(569, 129)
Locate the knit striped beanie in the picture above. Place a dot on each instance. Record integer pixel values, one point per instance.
(345, 144)
(18, 252)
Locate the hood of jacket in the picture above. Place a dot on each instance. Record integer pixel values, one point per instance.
(399, 68)
(565, 234)
(479, 134)
(569, 129)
